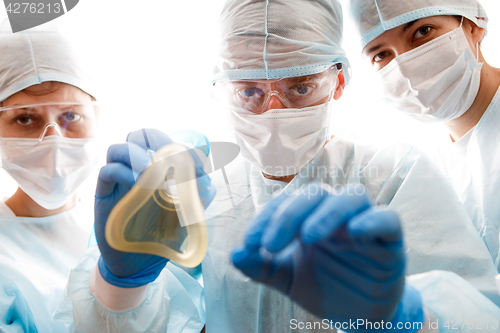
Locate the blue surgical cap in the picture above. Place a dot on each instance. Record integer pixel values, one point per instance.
(279, 38)
(35, 56)
(374, 17)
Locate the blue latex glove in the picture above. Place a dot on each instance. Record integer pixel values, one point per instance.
(334, 254)
(129, 270)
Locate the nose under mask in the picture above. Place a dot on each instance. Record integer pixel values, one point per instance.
(49, 171)
(279, 142)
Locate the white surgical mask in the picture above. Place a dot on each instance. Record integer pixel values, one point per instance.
(437, 81)
(49, 171)
(280, 141)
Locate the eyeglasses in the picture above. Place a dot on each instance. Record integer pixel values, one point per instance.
(295, 92)
(68, 119)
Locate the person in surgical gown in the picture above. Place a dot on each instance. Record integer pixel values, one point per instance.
(290, 40)
(48, 141)
(457, 88)
(44, 227)
(278, 50)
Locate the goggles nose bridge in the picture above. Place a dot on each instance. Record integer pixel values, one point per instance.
(275, 93)
(48, 126)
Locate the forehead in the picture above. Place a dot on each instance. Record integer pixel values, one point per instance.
(43, 93)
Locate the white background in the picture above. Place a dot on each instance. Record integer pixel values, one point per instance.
(152, 62)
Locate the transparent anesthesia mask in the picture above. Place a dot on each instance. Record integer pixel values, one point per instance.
(295, 92)
(37, 121)
(162, 214)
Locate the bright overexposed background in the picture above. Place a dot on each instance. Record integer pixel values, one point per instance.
(152, 62)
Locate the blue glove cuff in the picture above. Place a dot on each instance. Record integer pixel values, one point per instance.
(409, 317)
(142, 278)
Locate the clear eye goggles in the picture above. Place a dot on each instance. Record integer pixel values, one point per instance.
(66, 119)
(295, 92)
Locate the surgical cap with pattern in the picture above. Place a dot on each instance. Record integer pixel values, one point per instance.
(374, 17)
(279, 38)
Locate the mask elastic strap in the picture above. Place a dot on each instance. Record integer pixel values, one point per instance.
(477, 46)
(46, 128)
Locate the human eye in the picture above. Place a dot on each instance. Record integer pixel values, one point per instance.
(23, 116)
(251, 92)
(379, 57)
(70, 116)
(24, 120)
(302, 89)
(422, 31)
(304, 86)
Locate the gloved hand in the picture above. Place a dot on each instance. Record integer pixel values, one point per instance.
(334, 254)
(129, 270)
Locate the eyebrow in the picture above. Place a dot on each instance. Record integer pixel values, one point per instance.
(409, 25)
(374, 48)
(378, 46)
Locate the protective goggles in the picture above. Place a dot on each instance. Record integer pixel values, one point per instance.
(67, 119)
(295, 92)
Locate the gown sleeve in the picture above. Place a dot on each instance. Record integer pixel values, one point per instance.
(447, 261)
(174, 302)
(15, 313)
(455, 305)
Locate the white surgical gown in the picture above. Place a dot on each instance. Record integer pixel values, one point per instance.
(473, 166)
(438, 235)
(36, 255)
(173, 304)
